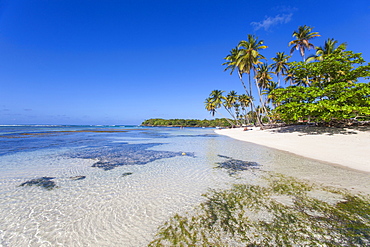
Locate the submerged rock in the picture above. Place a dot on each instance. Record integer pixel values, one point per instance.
(126, 174)
(77, 177)
(44, 182)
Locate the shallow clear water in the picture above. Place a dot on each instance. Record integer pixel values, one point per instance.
(134, 179)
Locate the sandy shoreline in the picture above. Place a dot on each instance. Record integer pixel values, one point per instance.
(345, 147)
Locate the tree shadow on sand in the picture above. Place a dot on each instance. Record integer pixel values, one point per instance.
(315, 130)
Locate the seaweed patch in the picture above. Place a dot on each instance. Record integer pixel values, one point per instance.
(77, 177)
(234, 166)
(114, 155)
(44, 182)
(126, 174)
(284, 212)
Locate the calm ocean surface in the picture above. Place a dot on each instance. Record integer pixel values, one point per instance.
(115, 185)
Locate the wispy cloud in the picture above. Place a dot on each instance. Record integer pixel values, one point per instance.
(272, 21)
(285, 9)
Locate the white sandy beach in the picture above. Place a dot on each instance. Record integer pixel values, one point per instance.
(345, 147)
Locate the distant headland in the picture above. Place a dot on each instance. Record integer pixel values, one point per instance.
(186, 122)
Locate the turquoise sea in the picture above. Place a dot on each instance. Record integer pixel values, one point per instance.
(115, 185)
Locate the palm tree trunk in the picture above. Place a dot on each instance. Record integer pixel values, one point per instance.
(261, 101)
(228, 120)
(232, 115)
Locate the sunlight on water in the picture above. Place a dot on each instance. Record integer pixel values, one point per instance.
(154, 174)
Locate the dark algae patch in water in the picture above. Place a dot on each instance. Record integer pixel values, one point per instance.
(282, 211)
(44, 182)
(75, 178)
(126, 174)
(234, 166)
(120, 154)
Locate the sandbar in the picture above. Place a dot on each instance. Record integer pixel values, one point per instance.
(341, 146)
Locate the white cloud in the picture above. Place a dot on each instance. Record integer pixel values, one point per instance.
(272, 21)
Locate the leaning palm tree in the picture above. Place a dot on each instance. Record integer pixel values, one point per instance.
(302, 41)
(217, 97)
(210, 106)
(230, 102)
(328, 48)
(233, 64)
(280, 67)
(214, 102)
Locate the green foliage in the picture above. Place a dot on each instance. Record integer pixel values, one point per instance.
(344, 66)
(333, 95)
(186, 122)
(334, 103)
(285, 212)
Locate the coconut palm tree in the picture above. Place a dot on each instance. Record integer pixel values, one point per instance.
(249, 58)
(302, 41)
(232, 64)
(280, 67)
(217, 97)
(268, 91)
(210, 106)
(289, 77)
(215, 101)
(245, 101)
(249, 55)
(304, 82)
(230, 103)
(263, 79)
(263, 75)
(328, 48)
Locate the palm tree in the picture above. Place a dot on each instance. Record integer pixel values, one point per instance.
(304, 82)
(263, 79)
(214, 102)
(249, 56)
(217, 97)
(263, 75)
(232, 64)
(290, 78)
(230, 102)
(245, 101)
(281, 65)
(268, 91)
(329, 48)
(210, 106)
(302, 41)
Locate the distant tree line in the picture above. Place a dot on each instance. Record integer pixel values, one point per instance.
(187, 122)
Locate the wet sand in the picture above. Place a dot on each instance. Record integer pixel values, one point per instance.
(340, 146)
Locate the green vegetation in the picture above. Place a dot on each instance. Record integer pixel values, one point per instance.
(324, 89)
(332, 95)
(187, 122)
(282, 212)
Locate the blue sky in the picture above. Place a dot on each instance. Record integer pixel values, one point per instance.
(121, 62)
